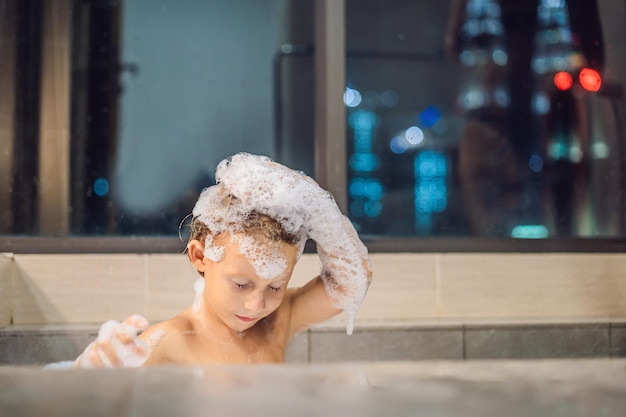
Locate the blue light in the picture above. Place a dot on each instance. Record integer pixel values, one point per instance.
(374, 189)
(369, 188)
(430, 196)
(398, 145)
(357, 187)
(362, 140)
(363, 162)
(363, 120)
(430, 164)
(430, 189)
(101, 187)
(357, 208)
(535, 163)
(429, 116)
(373, 208)
(530, 231)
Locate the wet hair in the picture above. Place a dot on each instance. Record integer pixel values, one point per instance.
(255, 224)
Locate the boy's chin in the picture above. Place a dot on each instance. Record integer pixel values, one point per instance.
(239, 325)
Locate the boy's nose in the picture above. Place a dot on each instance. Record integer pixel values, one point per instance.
(256, 302)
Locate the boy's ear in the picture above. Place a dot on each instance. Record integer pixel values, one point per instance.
(195, 252)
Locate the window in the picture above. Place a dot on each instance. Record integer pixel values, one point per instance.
(465, 124)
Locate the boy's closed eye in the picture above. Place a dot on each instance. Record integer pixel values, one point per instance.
(274, 289)
(240, 284)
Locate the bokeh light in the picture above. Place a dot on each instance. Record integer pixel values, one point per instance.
(535, 163)
(590, 79)
(352, 97)
(429, 116)
(389, 98)
(563, 80)
(530, 231)
(414, 135)
(398, 145)
(101, 187)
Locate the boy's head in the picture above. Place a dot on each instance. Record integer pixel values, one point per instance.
(246, 265)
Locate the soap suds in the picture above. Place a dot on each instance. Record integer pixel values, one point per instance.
(198, 300)
(154, 338)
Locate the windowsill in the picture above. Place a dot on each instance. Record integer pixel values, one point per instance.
(172, 244)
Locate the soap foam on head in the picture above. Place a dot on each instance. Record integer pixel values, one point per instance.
(301, 206)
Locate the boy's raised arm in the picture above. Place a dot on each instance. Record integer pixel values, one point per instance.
(344, 279)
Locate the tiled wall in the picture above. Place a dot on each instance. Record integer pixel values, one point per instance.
(6, 272)
(40, 345)
(407, 287)
(420, 306)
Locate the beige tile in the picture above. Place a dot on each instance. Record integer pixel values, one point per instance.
(533, 285)
(6, 272)
(170, 285)
(78, 288)
(403, 288)
(307, 268)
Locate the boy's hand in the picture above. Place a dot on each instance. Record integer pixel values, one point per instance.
(117, 345)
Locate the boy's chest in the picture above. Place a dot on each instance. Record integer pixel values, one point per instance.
(248, 347)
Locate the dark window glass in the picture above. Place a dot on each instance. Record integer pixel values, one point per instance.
(160, 92)
(494, 118)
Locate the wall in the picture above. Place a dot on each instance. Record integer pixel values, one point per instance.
(406, 287)
(420, 306)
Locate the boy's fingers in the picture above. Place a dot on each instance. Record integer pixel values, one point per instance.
(108, 354)
(94, 359)
(125, 338)
(131, 342)
(139, 350)
(137, 321)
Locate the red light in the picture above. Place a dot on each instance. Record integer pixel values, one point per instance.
(563, 80)
(590, 79)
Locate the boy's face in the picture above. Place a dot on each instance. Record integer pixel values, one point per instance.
(235, 293)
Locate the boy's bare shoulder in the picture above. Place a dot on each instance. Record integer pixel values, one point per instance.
(166, 337)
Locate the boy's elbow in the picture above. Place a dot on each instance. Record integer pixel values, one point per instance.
(369, 272)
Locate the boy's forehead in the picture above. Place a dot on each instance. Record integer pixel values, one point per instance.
(265, 258)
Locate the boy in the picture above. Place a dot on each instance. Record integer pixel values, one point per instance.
(247, 234)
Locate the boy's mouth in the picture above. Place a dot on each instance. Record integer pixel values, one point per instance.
(245, 319)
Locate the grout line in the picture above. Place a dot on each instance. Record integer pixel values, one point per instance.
(146, 284)
(12, 276)
(610, 340)
(438, 285)
(464, 342)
